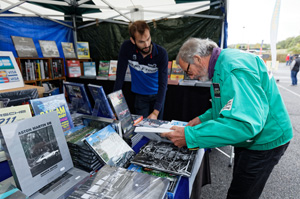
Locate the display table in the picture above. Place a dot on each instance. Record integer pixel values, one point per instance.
(40, 89)
(182, 103)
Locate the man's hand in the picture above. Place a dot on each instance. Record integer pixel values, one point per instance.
(154, 114)
(194, 122)
(177, 136)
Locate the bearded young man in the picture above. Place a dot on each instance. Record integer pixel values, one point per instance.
(148, 63)
(247, 112)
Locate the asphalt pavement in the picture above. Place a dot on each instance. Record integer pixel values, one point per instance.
(284, 182)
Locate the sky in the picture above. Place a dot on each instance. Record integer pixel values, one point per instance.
(249, 21)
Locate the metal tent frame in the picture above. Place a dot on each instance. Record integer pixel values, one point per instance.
(74, 9)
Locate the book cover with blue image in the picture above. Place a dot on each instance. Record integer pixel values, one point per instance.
(102, 106)
(56, 103)
(89, 69)
(78, 97)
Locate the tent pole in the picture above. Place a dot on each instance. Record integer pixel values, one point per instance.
(74, 33)
(12, 6)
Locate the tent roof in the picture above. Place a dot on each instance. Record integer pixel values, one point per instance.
(108, 10)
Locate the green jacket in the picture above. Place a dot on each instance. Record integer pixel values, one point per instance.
(247, 109)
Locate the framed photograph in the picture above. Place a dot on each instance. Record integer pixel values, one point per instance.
(10, 75)
(24, 46)
(49, 48)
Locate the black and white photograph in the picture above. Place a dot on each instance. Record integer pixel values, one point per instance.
(36, 151)
(49, 48)
(166, 157)
(41, 149)
(24, 46)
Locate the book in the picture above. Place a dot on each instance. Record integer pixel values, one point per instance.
(121, 110)
(83, 156)
(174, 179)
(151, 128)
(56, 103)
(19, 97)
(10, 75)
(63, 186)
(177, 73)
(103, 70)
(102, 107)
(49, 48)
(89, 69)
(112, 69)
(83, 51)
(116, 182)
(36, 150)
(166, 157)
(68, 50)
(127, 75)
(110, 147)
(24, 46)
(169, 68)
(137, 119)
(12, 114)
(57, 68)
(74, 69)
(78, 97)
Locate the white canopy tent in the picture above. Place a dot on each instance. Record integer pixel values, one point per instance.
(115, 11)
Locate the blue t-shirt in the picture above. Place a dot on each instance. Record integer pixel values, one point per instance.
(149, 75)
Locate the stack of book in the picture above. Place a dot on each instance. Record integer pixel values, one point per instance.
(82, 156)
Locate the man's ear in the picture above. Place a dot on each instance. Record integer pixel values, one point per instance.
(197, 59)
(132, 40)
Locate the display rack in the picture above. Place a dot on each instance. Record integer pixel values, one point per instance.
(36, 71)
(81, 63)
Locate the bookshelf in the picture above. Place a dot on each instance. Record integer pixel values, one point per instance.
(36, 71)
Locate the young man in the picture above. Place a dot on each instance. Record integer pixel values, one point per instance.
(148, 63)
(247, 112)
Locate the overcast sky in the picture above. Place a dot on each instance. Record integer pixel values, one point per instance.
(249, 21)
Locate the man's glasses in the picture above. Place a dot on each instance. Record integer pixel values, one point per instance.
(187, 70)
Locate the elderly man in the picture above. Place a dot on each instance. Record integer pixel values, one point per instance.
(247, 112)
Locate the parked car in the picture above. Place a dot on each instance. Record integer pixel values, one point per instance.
(46, 156)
